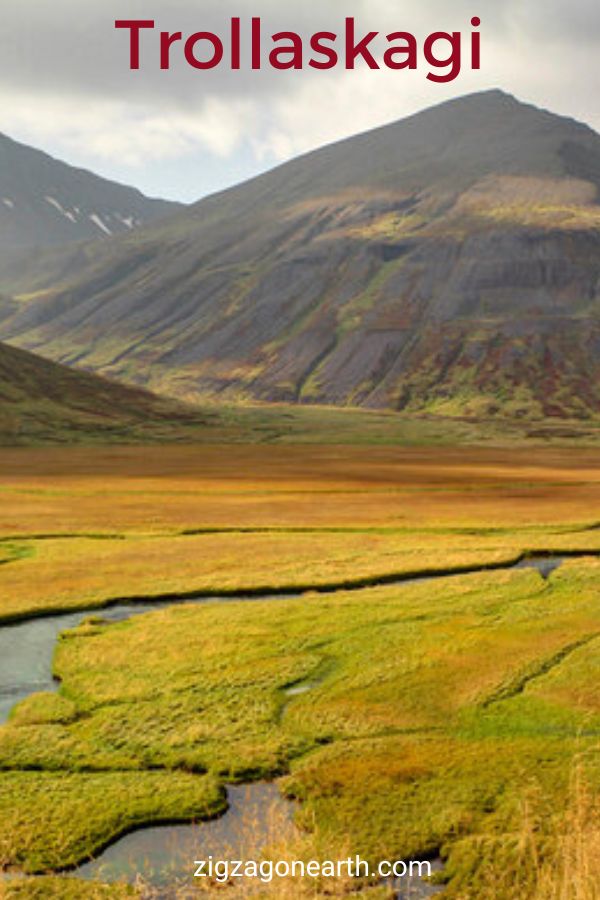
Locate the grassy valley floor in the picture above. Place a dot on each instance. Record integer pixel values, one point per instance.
(456, 716)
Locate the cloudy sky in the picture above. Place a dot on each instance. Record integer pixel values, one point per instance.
(66, 86)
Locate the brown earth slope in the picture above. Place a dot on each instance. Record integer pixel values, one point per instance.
(42, 402)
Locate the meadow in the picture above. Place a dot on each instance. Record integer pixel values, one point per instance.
(454, 716)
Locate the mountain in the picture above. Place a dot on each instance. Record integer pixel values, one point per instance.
(45, 202)
(42, 402)
(447, 263)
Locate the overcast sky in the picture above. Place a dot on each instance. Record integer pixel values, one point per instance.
(66, 86)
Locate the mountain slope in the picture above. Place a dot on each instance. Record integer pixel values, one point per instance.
(449, 262)
(42, 402)
(45, 202)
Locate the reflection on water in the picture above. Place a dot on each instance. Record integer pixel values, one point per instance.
(415, 888)
(164, 857)
(26, 652)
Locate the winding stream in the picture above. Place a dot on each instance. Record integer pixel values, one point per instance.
(27, 652)
(27, 648)
(165, 854)
(257, 816)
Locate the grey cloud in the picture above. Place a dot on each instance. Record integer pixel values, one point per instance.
(65, 82)
(571, 24)
(72, 47)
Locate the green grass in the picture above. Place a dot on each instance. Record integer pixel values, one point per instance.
(45, 404)
(435, 707)
(52, 821)
(444, 716)
(58, 888)
(53, 574)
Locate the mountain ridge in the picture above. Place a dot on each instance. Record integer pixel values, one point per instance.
(500, 98)
(447, 263)
(45, 201)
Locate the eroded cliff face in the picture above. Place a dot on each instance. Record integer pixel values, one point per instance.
(455, 315)
(464, 283)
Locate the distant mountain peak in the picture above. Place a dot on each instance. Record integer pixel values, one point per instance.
(45, 202)
(492, 101)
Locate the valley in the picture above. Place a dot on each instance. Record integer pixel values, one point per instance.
(434, 703)
(299, 514)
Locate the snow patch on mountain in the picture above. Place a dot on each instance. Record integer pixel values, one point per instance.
(129, 221)
(95, 218)
(59, 207)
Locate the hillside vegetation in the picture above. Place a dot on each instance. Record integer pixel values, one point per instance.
(45, 403)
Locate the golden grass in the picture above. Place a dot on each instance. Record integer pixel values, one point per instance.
(573, 872)
(559, 862)
(75, 491)
(63, 574)
(60, 888)
(52, 820)
(80, 572)
(552, 856)
(395, 511)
